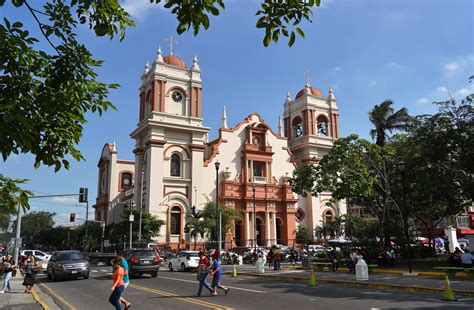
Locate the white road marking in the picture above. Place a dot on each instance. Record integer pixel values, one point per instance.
(232, 287)
(104, 270)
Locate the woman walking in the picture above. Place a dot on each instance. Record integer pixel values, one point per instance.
(203, 271)
(30, 269)
(8, 267)
(217, 276)
(118, 286)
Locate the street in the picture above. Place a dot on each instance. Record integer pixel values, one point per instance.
(175, 290)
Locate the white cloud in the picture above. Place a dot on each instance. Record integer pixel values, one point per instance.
(451, 68)
(372, 83)
(65, 199)
(336, 68)
(394, 65)
(442, 89)
(423, 101)
(139, 8)
(463, 92)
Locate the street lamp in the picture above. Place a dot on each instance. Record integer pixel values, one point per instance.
(218, 233)
(254, 221)
(402, 167)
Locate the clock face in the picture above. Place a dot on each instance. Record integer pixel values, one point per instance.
(177, 96)
(256, 140)
(126, 182)
(299, 130)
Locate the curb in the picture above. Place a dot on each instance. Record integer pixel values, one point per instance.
(397, 272)
(38, 300)
(361, 284)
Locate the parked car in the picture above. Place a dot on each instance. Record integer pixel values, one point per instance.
(316, 248)
(68, 264)
(143, 261)
(185, 260)
(36, 253)
(44, 264)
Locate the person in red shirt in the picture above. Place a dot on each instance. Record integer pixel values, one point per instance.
(203, 271)
(118, 286)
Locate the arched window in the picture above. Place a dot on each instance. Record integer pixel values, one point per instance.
(328, 216)
(175, 221)
(175, 168)
(297, 126)
(323, 129)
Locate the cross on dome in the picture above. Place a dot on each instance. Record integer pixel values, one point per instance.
(171, 41)
(308, 77)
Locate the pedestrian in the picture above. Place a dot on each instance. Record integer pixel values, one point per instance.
(217, 276)
(352, 260)
(117, 287)
(203, 271)
(254, 257)
(277, 255)
(391, 256)
(126, 278)
(8, 266)
(30, 269)
(270, 258)
(334, 260)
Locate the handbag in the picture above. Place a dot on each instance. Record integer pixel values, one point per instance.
(201, 275)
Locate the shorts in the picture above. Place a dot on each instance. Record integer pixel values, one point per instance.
(125, 285)
(216, 282)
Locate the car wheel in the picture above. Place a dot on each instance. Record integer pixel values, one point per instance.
(86, 277)
(154, 274)
(170, 267)
(183, 267)
(48, 275)
(55, 277)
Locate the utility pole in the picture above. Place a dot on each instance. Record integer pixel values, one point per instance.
(131, 219)
(141, 210)
(17, 234)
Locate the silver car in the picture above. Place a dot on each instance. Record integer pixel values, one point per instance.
(68, 264)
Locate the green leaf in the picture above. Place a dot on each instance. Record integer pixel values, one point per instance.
(300, 32)
(18, 3)
(292, 39)
(267, 39)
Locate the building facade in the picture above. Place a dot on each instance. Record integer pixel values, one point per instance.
(174, 167)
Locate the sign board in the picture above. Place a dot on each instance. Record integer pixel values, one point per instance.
(131, 218)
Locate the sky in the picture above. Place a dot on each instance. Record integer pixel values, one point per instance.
(412, 52)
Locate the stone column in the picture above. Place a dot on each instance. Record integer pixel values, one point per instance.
(274, 227)
(247, 228)
(267, 228)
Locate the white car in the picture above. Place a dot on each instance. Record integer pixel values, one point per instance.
(316, 248)
(185, 260)
(36, 253)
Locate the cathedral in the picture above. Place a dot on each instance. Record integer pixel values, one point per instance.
(176, 167)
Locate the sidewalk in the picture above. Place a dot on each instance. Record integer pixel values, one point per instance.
(395, 281)
(18, 299)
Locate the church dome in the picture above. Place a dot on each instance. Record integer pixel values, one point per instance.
(174, 61)
(316, 92)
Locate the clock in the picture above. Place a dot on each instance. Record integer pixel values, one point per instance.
(177, 96)
(256, 140)
(299, 130)
(126, 181)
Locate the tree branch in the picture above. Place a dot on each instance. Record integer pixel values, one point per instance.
(32, 11)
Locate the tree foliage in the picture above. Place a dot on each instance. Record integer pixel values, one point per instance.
(303, 235)
(229, 216)
(385, 120)
(11, 195)
(46, 93)
(33, 223)
(274, 17)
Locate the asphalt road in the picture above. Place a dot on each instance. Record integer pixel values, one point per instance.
(175, 290)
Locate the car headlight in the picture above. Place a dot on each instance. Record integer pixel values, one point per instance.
(60, 266)
(85, 266)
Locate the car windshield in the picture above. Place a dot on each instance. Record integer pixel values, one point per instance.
(70, 256)
(150, 253)
(192, 254)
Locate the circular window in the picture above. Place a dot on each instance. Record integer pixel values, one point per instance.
(299, 215)
(177, 96)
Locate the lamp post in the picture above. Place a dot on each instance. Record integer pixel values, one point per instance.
(254, 220)
(218, 233)
(102, 237)
(402, 167)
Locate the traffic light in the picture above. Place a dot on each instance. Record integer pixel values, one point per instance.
(83, 191)
(72, 217)
(193, 210)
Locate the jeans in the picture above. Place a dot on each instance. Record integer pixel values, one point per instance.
(202, 283)
(6, 282)
(114, 298)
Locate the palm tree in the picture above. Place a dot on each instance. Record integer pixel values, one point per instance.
(384, 119)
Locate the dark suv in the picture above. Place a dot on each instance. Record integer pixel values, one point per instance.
(68, 264)
(141, 261)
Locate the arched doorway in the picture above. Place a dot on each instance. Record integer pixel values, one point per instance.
(238, 235)
(279, 226)
(259, 232)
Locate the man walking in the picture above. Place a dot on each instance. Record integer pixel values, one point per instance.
(126, 279)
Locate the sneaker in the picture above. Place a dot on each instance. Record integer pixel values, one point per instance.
(227, 291)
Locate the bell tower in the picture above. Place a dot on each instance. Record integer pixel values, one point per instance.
(170, 142)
